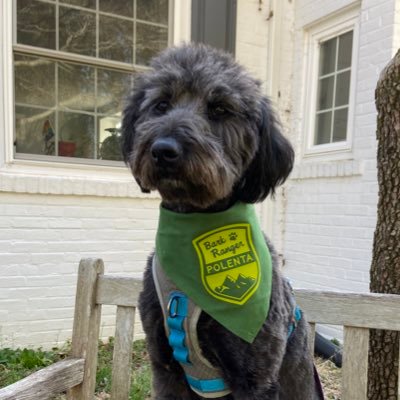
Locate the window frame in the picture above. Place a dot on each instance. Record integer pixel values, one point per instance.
(325, 30)
(10, 155)
(66, 177)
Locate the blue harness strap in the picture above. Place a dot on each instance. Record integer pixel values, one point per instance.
(296, 317)
(207, 385)
(177, 312)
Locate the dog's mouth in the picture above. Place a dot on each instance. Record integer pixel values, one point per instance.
(178, 192)
(183, 173)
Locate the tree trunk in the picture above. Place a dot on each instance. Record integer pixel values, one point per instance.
(385, 268)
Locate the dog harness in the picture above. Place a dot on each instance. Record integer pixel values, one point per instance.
(218, 263)
(181, 316)
(180, 321)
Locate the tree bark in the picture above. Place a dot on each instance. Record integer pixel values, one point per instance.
(385, 268)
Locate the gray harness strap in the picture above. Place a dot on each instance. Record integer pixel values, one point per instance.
(181, 316)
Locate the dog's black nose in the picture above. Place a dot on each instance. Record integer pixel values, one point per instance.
(166, 151)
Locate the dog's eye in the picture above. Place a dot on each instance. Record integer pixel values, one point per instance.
(162, 106)
(217, 111)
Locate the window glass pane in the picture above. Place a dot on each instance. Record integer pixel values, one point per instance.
(68, 108)
(345, 50)
(109, 138)
(36, 24)
(150, 40)
(77, 31)
(340, 125)
(112, 88)
(116, 39)
(342, 89)
(76, 87)
(327, 58)
(34, 130)
(323, 128)
(76, 135)
(81, 3)
(153, 10)
(34, 81)
(120, 7)
(325, 93)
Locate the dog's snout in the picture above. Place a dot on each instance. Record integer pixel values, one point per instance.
(166, 151)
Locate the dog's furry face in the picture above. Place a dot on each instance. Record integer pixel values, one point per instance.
(198, 130)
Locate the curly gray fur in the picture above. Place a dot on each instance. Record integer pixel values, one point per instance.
(198, 130)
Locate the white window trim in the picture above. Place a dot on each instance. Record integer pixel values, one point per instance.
(69, 177)
(316, 34)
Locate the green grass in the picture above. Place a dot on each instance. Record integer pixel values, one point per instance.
(19, 363)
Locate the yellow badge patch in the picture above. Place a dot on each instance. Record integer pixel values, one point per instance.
(230, 268)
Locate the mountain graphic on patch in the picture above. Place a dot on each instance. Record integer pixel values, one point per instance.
(236, 288)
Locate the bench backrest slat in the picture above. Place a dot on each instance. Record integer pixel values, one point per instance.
(355, 363)
(118, 291)
(122, 357)
(369, 310)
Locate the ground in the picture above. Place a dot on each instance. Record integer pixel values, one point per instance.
(16, 364)
(330, 376)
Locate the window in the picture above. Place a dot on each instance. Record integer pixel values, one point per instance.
(333, 89)
(330, 84)
(73, 65)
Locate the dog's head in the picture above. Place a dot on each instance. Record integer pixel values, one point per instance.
(198, 130)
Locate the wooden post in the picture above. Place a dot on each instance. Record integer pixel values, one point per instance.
(86, 328)
(311, 337)
(122, 357)
(355, 363)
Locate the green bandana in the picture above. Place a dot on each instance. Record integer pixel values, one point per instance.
(220, 260)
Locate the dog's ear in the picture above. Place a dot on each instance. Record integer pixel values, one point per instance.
(273, 161)
(130, 116)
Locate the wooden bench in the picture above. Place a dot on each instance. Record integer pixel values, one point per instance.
(76, 375)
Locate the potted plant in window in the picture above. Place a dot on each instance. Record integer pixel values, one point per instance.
(110, 148)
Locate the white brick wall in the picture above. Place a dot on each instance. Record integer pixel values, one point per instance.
(42, 239)
(324, 219)
(252, 33)
(331, 214)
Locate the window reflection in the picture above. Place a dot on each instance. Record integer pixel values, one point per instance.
(116, 39)
(74, 112)
(35, 133)
(77, 31)
(106, 32)
(150, 40)
(36, 24)
(73, 109)
(76, 87)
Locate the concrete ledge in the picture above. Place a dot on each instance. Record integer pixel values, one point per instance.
(332, 169)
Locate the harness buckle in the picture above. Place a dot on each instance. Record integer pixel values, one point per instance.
(172, 307)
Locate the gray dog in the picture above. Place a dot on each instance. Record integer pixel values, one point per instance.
(198, 130)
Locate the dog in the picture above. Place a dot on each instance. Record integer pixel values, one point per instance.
(199, 131)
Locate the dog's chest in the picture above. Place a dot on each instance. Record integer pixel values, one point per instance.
(181, 316)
